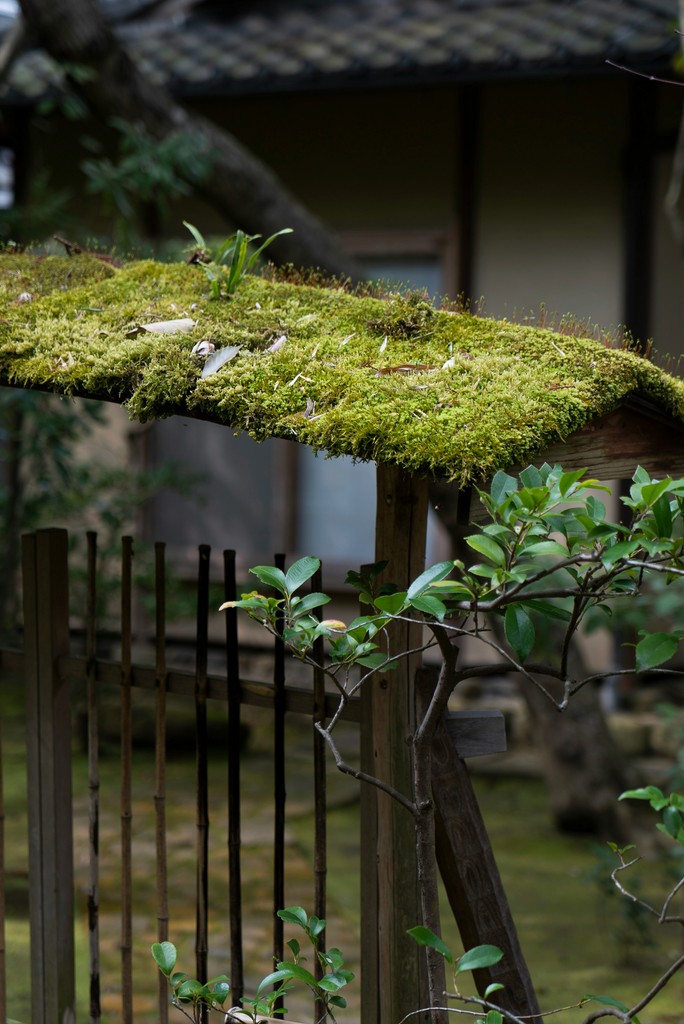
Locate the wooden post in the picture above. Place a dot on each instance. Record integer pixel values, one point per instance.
(393, 979)
(466, 861)
(48, 719)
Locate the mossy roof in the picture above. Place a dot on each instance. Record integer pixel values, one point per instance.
(351, 374)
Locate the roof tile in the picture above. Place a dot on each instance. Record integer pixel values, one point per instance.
(281, 43)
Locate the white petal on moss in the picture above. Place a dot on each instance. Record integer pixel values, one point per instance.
(182, 326)
(217, 359)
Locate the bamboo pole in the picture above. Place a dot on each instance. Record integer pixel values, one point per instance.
(126, 784)
(279, 793)
(202, 782)
(160, 767)
(234, 744)
(93, 781)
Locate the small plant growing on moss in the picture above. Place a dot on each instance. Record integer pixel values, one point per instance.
(231, 261)
(194, 998)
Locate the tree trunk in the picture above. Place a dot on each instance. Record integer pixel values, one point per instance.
(239, 186)
(584, 769)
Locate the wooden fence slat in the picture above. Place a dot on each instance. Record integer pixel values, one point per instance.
(160, 768)
(279, 792)
(237, 980)
(48, 746)
(126, 784)
(93, 781)
(202, 784)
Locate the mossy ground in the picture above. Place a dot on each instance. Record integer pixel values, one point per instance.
(386, 379)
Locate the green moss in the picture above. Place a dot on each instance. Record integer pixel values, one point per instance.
(356, 374)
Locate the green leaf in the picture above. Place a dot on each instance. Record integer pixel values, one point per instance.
(519, 630)
(478, 957)
(495, 986)
(430, 606)
(273, 978)
(568, 480)
(221, 992)
(165, 955)
(654, 649)
(625, 549)
(502, 487)
(294, 915)
(662, 513)
(375, 660)
(295, 971)
(201, 244)
(316, 925)
(609, 1001)
(488, 547)
(493, 1017)
(655, 796)
(547, 608)
(306, 604)
(425, 937)
(531, 477)
(300, 572)
(672, 821)
(431, 575)
(254, 257)
(545, 547)
(271, 576)
(651, 492)
(391, 603)
(188, 990)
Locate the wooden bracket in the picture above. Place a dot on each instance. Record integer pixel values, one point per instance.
(475, 733)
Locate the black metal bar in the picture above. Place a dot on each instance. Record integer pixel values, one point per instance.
(160, 768)
(126, 783)
(202, 781)
(237, 982)
(95, 1011)
(279, 793)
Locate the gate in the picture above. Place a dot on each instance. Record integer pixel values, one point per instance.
(51, 671)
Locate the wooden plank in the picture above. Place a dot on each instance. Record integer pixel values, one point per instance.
(393, 981)
(475, 733)
(471, 877)
(612, 446)
(48, 743)
(255, 694)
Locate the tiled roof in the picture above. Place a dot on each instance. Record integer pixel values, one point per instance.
(207, 47)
